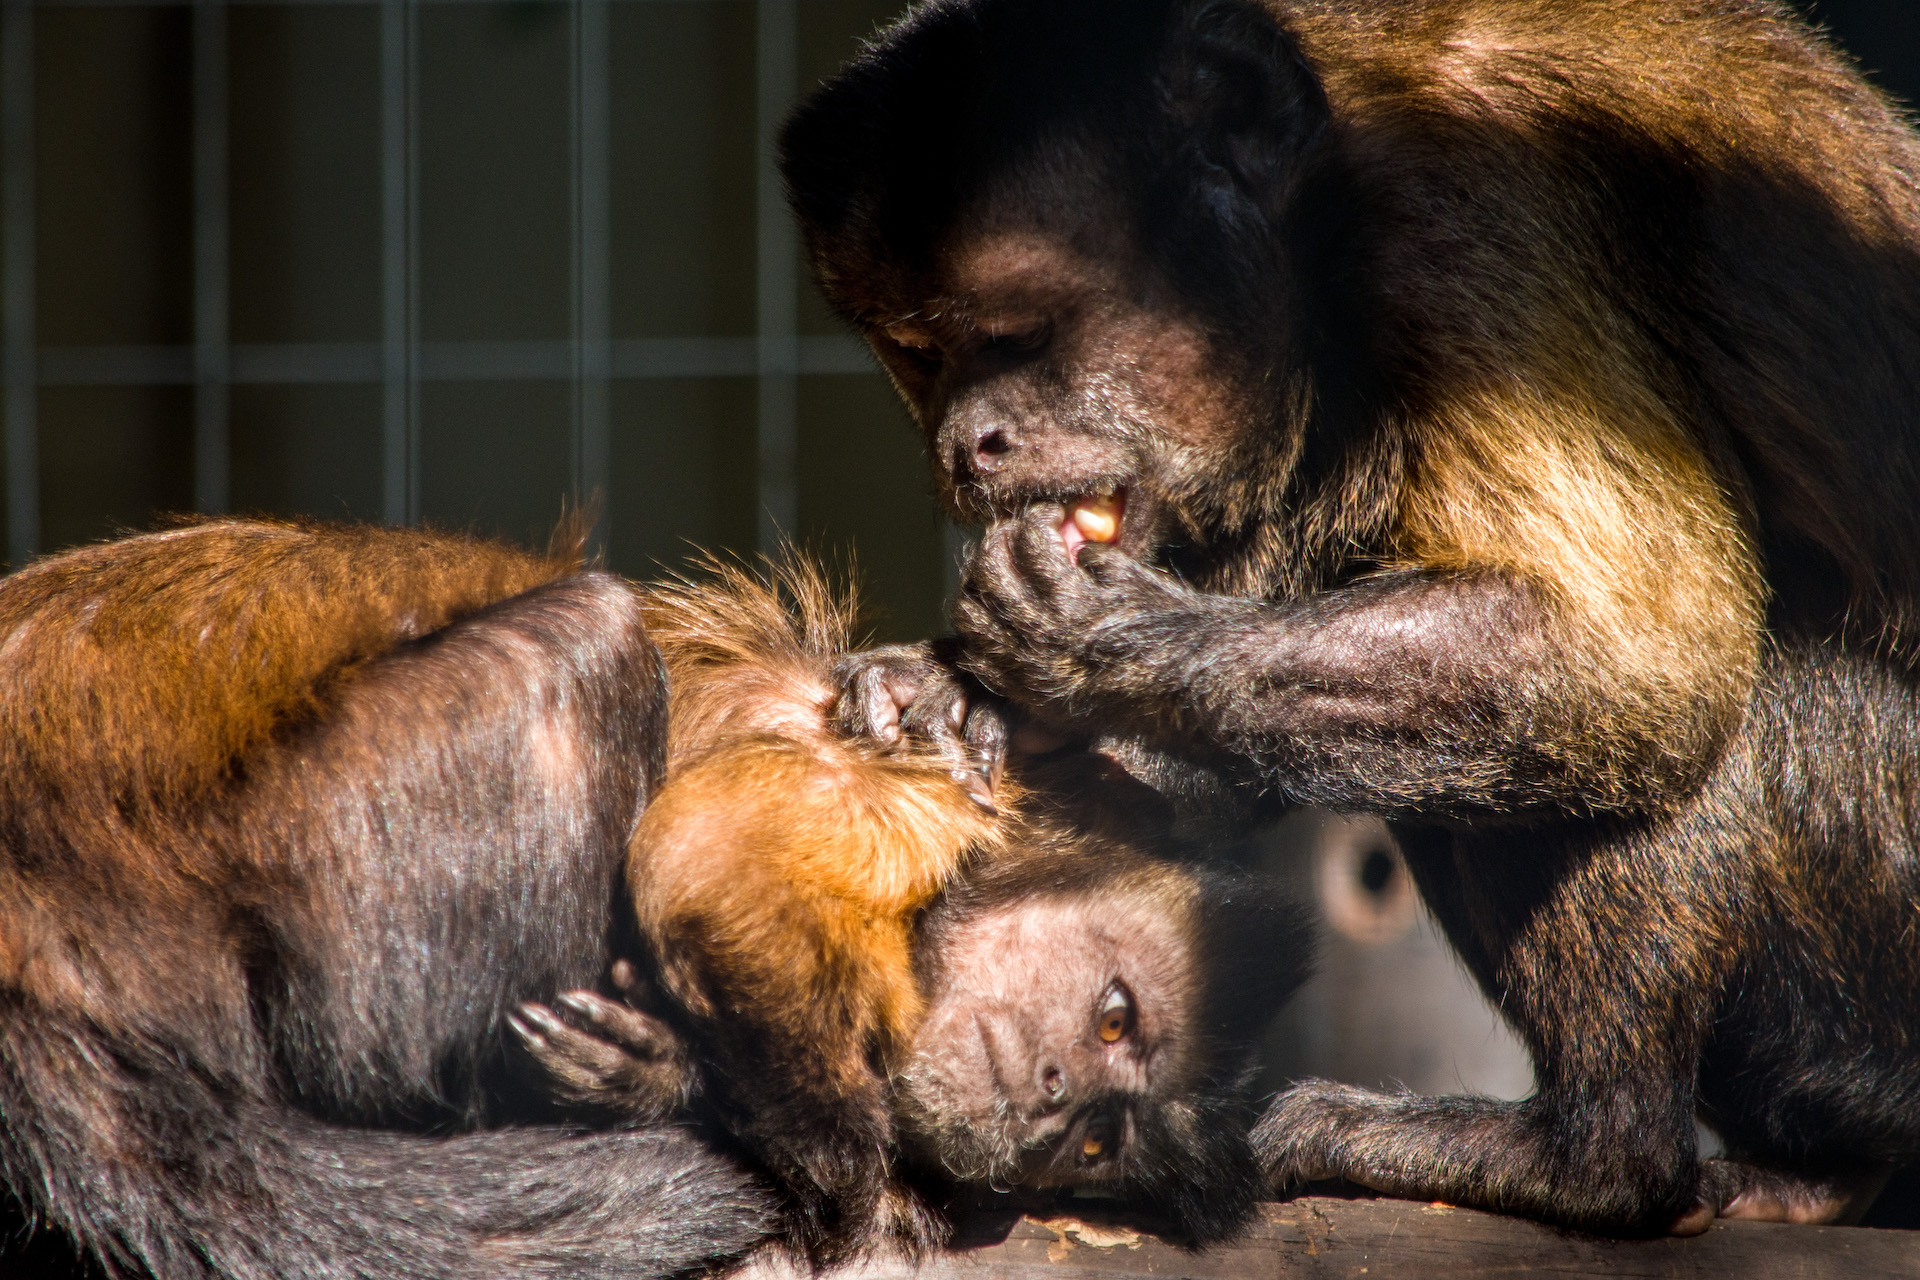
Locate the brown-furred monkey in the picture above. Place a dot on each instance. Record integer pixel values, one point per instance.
(1079, 1012)
(295, 816)
(1502, 415)
(290, 819)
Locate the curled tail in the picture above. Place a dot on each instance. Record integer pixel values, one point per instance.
(158, 1170)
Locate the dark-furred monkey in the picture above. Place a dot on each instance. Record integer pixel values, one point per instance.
(1495, 414)
(293, 817)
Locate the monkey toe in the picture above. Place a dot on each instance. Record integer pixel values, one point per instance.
(1761, 1193)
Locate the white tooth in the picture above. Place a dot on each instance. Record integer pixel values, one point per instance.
(1096, 524)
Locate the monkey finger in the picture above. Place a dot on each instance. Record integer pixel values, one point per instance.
(869, 705)
(1110, 568)
(572, 1056)
(1039, 558)
(986, 736)
(997, 594)
(638, 1033)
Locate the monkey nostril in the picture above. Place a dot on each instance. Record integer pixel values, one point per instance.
(990, 449)
(1053, 1083)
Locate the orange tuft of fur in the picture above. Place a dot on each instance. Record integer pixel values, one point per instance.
(778, 871)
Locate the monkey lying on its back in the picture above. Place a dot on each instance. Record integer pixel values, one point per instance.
(1069, 1019)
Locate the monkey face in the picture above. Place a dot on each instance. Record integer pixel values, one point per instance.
(1049, 366)
(1052, 1024)
(1064, 227)
(1089, 1022)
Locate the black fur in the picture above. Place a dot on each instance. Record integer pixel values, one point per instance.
(1514, 411)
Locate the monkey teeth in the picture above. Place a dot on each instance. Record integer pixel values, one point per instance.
(1094, 518)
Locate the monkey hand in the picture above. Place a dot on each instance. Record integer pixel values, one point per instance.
(907, 696)
(1763, 1193)
(1078, 638)
(623, 1061)
(1298, 1140)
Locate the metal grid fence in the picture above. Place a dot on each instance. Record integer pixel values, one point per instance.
(400, 362)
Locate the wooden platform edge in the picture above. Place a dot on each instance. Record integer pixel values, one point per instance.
(1325, 1239)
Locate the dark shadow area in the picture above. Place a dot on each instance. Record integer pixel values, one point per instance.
(43, 1254)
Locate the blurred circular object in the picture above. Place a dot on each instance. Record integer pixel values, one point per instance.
(1362, 881)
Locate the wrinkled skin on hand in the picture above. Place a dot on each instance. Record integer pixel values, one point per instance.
(1035, 621)
(914, 695)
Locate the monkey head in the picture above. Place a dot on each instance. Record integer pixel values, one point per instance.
(1090, 1021)
(1058, 223)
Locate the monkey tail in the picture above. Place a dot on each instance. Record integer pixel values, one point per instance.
(156, 1170)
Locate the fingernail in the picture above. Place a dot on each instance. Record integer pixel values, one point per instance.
(979, 792)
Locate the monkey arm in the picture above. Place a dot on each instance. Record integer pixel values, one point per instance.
(1608, 1162)
(1414, 690)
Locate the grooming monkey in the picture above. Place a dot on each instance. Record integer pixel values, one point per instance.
(1079, 1012)
(1494, 414)
(293, 818)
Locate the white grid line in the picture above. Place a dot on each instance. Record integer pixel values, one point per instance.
(294, 363)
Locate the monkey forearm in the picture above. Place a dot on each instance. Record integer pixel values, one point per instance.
(1416, 692)
(1436, 693)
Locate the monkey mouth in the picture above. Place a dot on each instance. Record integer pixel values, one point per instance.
(1093, 517)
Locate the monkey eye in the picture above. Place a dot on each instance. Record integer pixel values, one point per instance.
(1116, 1015)
(1096, 1140)
(1015, 343)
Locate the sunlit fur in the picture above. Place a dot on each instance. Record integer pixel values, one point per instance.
(777, 874)
(808, 898)
(1516, 406)
(291, 816)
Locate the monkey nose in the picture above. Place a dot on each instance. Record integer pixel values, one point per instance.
(991, 445)
(1053, 1084)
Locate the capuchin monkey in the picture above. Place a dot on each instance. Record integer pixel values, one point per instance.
(1497, 416)
(291, 818)
(294, 817)
(1075, 1011)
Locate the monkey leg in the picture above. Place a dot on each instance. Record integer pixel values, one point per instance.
(1610, 1163)
(455, 829)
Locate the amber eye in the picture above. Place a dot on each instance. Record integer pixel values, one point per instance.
(1096, 1140)
(1116, 1016)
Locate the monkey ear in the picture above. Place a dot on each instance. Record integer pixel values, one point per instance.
(1241, 99)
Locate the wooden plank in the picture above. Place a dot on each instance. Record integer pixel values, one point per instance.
(1327, 1239)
